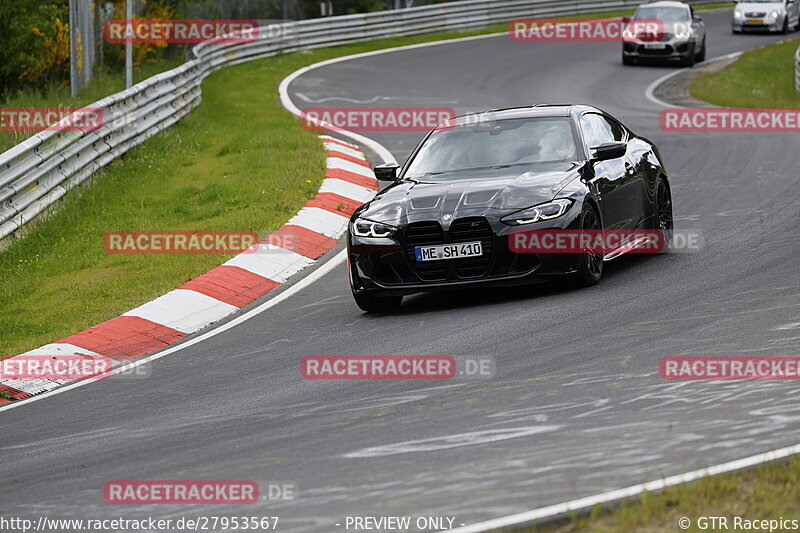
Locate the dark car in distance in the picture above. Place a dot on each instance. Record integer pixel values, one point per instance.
(681, 38)
(474, 180)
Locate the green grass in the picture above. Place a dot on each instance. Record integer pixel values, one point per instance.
(769, 491)
(761, 78)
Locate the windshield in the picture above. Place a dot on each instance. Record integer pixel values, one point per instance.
(494, 144)
(664, 14)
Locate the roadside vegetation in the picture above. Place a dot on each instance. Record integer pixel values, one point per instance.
(761, 78)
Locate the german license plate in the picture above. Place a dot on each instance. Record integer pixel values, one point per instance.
(442, 252)
(755, 21)
(655, 46)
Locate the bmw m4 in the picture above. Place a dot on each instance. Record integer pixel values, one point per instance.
(445, 221)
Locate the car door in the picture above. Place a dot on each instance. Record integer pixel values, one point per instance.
(792, 12)
(618, 182)
(698, 28)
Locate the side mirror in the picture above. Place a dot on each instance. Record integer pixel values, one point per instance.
(387, 172)
(606, 151)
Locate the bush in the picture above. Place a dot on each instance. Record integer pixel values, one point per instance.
(35, 45)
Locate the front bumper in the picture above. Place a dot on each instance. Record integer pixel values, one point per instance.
(673, 50)
(768, 24)
(387, 266)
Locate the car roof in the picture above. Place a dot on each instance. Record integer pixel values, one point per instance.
(665, 3)
(532, 111)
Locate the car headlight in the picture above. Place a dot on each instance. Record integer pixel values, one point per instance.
(361, 227)
(628, 35)
(547, 211)
(737, 14)
(774, 14)
(683, 35)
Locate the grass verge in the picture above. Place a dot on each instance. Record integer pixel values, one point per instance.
(769, 491)
(761, 78)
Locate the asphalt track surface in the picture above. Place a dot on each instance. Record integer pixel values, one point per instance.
(577, 406)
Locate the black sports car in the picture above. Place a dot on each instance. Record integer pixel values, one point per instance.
(472, 182)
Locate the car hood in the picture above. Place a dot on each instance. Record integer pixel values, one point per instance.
(488, 192)
(747, 6)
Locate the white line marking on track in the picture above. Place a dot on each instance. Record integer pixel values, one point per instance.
(583, 504)
(650, 91)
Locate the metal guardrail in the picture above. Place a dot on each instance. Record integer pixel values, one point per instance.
(797, 70)
(42, 169)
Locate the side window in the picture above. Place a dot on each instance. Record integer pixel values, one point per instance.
(617, 130)
(596, 130)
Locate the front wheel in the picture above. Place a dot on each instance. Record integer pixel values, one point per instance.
(785, 28)
(690, 59)
(701, 56)
(590, 268)
(664, 222)
(377, 304)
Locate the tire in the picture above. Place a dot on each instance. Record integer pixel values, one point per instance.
(690, 59)
(590, 267)
(627, 60)
(377, 304)
(701, 56)
(785, 28)
(663, 216)
(797, 26)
